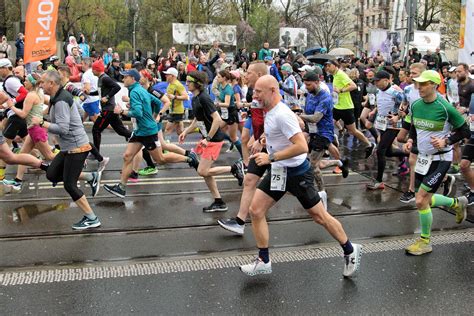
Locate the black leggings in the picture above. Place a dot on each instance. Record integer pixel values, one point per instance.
(103, 121)
(67, 168)
(385, 149)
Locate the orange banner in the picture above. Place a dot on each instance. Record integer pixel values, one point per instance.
(40, 29)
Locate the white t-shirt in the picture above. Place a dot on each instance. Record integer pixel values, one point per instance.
(88, 77)
(280, 125)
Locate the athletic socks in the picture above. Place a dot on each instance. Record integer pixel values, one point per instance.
(426, 219)
(147, 158)
(347, 248)
(264, 255)
(91, 216)
(239, 221)
(339, 163)
(441, 200)
(219, 201)
(238, 144)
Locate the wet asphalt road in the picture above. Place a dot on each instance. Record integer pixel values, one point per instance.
(161, 220)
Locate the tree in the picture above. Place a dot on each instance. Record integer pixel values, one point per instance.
(294, 12)
(428, 13)
(329, 25)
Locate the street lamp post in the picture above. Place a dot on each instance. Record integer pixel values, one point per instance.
(189, 25)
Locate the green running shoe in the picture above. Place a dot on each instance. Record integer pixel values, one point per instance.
(148, 171)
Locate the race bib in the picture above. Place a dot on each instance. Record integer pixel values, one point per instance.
(423, 163)
(202, 128)
(224, 113)
(278, 182)
(313, 128)
(372, 99)
(381, 122)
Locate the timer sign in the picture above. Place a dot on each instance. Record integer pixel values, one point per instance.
(40, 33)
(45, 9)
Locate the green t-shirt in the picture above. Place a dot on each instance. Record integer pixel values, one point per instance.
(436, 119)
(176, 88)
(342, 80)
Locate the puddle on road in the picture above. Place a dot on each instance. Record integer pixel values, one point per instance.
(27, 212)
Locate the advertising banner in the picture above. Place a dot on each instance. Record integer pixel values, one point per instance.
(40, 29)
(205, 34)
(293, 37)
(466, 38)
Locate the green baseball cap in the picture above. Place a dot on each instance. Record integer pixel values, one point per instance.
(429, 75)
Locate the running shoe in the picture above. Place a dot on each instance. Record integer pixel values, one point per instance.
(376, 186)
(460, 208)
(95, 182)
(133, 177)
(370, 150)
(237, 170)
(115, 190)
(419, 247)
(147, 171)
(103, 164)
(13, 184)
(215, 207)
(352, 261)
(257, 267)
(448, 185)
(231, 225)
(86, 223)
(470, 198)
(194, 162)
(345, 167)
(231, 148)
(454, 170)
(337, 170)
(403, 170)
(407, 197)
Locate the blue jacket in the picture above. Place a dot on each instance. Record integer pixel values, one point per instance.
(274, 72)
(141, 109)
(20, 48)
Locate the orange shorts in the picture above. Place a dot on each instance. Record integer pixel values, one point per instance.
(211, 151)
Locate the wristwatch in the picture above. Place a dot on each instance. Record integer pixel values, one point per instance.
(41, 123)
(272, 157)
(208, 138)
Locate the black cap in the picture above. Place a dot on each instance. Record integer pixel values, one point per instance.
(333, 62)
(311, 76)
(382, 74)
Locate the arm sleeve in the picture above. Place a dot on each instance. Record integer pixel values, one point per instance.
(460, 133)
(111, 83)
(156, 103)
(63, 119)
(22, 93)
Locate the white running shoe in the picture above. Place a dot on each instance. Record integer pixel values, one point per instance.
(257, 267)
(352, 261)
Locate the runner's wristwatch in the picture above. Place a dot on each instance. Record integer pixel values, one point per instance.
(272, 157)
(208, 138)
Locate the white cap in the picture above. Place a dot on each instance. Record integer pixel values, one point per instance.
(306, 68)
(5, 62)
(171, 71)
(150, 62)
(453, 68)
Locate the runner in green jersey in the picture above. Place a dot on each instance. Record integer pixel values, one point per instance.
(436, 126)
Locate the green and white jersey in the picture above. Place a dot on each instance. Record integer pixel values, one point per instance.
(435, 119)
